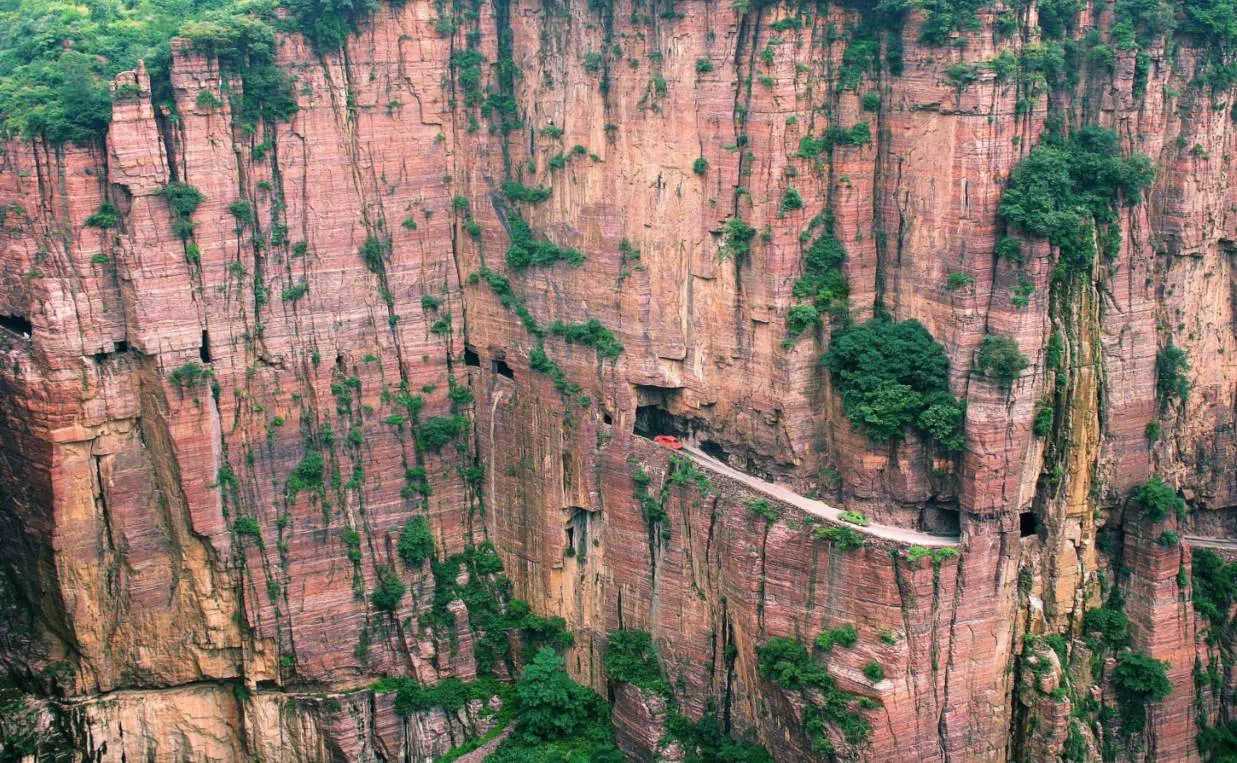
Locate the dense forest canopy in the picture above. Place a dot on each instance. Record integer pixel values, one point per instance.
(57, 58)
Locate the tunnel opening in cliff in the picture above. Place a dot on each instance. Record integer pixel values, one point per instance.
(715, 450)
(1028, 524)
(653, 416)
(18, 324)
(471, 358)
(941, 520)
(576, 533)
(652, 420)
(500, 367)
(204, 349)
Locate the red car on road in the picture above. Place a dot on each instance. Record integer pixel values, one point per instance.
(668, 441)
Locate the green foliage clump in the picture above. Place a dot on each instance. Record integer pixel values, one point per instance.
(1171, 383)
(416, 542)
(1066, 187)
(706, 741)
(107, 216)
(516, 191)
(1041, 425)
(436, 432)
(389, 591)
(874, 671)
(1000, 360)
(822, 282)
(942, 18)
(844, 538)
(556, 719)
(844, 635)
(858, 134)
(189, 375)
(703, 66)
(373, 253)
(871, 101)
(737, 238)
(1218, 743)
(762, 508)
(956, 280)
(183, 199)
(1168, 539)
(295, 292)
(651, 507)
(590, 334)
(632, 658)
(1107, 626)
(1158, 500)
(247, 527)
(491, 612)
(791, 200)
(1139, 680)
(916, 554)
(526, 250)
(786, 663)
(894, 375)
(326, 24)
(1214, 584)
(306, 475)
(243, 212)
(700, 166)
(57, 60)
(449, 695)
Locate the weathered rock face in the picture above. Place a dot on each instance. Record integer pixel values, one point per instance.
(185, 542)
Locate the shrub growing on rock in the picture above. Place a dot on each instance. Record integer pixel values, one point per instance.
(1000, 360)
(893, 375)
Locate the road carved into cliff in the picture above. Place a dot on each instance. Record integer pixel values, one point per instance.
(1226, 544)
(814, 507)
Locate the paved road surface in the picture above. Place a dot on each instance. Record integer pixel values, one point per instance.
(817, 508)
(1228, 544)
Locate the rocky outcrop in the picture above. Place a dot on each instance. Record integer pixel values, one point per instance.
(212, 445)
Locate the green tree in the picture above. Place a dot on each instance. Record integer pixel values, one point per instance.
(893, 375)
(1000, 360)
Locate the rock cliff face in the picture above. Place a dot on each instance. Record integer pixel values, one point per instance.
(213, 442)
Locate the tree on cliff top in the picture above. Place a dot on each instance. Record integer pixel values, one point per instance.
(58, 58)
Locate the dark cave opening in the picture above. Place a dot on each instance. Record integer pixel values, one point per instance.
(471, 358)
(1028, 524)
(500, 367)
(942, 520)
(18, 324)
(715, 450)
(652, 420)
(204, 350)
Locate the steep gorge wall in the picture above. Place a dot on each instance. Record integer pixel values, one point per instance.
(122, 488)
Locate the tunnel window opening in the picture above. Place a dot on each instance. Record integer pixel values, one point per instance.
(576, 533)
(339, 361)
(471, 358)
(117, 348)
(1028, 524)
(941, 520)
(652, 420)
(204, 351)
(500, 367)
(715, 450)
(606, 418)
(17, 324)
